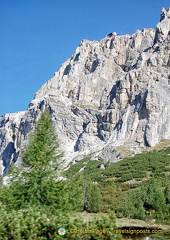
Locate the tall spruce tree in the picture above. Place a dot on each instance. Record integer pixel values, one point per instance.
(36, 183)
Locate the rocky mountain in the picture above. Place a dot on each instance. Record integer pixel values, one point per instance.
(111, 98)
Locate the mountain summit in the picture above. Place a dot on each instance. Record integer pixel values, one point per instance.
(110, 98)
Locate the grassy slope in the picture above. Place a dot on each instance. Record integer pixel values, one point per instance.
(129, 174)
(140, 167)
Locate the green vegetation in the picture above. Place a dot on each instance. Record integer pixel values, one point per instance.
(35, 203)
(139, 167)
(35, 183)
(89, 168)
(92, 197)
(136, 187)
(75, 168)
(40, 223)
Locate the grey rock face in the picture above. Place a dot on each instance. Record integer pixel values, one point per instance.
(110, 92)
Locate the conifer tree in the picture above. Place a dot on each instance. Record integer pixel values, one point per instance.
(92, 197)
(37, 180)
(40, 152)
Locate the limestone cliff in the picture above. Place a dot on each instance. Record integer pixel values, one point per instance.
(110, 93)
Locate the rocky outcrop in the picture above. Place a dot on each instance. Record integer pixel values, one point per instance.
(110, 93)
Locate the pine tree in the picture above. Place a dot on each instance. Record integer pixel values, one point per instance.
(36, 183)
(42, 144)
(93, 199)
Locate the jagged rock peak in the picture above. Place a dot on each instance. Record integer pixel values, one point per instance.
(165, 14)
(110, 98)
(163, 27)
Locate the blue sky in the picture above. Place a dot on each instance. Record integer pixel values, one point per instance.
(37, 36)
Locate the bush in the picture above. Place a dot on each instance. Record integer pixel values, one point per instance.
(42, 224)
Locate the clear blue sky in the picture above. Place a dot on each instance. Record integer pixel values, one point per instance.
(37, 36)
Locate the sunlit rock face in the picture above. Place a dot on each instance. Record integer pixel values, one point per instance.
(110, 93)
